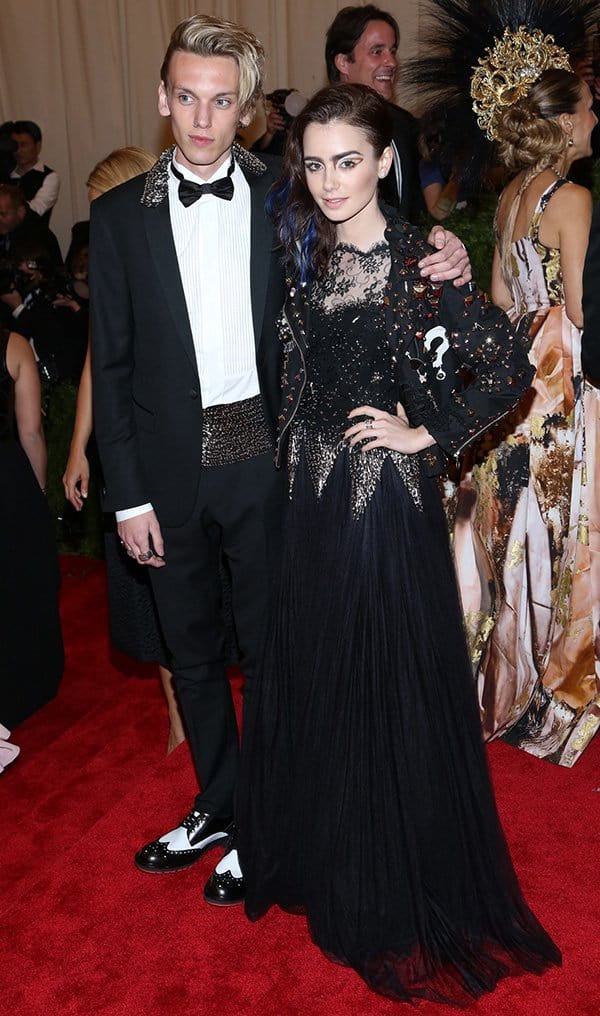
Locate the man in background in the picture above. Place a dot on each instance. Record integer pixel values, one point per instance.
(361, 48)
(38, 183)
(20, 227)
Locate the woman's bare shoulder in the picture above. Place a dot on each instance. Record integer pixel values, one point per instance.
(18, 354)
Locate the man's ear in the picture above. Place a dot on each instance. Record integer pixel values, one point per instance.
(21, 212)
(341, 61)
(247, 116)
(163, 102)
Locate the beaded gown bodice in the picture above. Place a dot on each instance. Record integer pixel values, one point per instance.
(348, 365)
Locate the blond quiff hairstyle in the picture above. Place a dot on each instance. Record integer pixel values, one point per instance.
(207, 35)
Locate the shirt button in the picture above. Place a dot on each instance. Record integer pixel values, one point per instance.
(193, 393)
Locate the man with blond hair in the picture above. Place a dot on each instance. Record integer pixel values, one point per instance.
(186, 287)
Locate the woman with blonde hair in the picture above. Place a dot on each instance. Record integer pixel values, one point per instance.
(539, 672)
(134, 624)
(121, 165)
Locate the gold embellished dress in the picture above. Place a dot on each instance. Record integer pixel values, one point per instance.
(527, 534)
(365, 801)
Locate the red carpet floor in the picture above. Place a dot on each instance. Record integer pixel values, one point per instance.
(83, 932)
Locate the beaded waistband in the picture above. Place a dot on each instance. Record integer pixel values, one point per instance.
(234, 432)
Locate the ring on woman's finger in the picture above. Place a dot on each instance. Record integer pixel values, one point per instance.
(369, 424)
(147, 555)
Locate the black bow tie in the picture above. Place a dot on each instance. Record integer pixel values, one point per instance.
(190, 191)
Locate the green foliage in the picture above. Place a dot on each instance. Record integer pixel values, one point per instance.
(76, 532)
(474, 225)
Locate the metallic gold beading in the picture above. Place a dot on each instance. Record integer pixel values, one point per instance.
(510, 67)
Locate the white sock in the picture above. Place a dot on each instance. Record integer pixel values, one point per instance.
(229, 862)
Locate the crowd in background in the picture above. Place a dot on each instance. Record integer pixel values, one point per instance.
(414, 414)
(44, 293)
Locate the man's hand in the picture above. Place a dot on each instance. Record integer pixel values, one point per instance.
(450, 261)
(12, 299)
(67, 301)
(142, 539)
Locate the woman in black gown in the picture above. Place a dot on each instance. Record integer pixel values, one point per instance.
(366, 802)
(31, 646)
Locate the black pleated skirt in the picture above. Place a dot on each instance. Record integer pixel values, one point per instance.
(365, 800)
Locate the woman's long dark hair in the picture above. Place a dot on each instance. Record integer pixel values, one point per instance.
(307, 236)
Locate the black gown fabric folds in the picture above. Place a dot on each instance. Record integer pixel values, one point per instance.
(365, 801)
(31, 657)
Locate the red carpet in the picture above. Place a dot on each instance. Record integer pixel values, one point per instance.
(83, 932)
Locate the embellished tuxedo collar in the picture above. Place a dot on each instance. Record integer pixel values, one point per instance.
(156, 187)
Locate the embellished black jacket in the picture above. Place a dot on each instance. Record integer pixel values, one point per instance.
(458, 362)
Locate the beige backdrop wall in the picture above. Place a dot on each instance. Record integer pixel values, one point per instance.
(87, 70)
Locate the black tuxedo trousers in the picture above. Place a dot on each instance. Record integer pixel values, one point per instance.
(238, 514)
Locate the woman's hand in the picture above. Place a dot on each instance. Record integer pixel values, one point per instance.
(382, 430)
(76, 478)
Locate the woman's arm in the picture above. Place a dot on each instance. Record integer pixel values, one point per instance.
(441, 198)
(501, 294)
(480, 335)
(575, 217)
(23, 370)
(76, 476)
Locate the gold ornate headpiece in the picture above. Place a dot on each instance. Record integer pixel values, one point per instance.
(504, 75)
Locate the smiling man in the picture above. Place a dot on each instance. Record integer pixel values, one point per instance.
(361, 48)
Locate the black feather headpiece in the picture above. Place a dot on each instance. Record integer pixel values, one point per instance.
(456, 34)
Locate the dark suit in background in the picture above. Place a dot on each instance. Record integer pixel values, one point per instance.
(409, 202)
(590, 342)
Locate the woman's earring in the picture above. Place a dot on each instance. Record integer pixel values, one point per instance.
(570, 142)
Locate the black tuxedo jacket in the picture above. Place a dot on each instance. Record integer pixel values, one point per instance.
(590, 342)
(405, 137)
(147, 398)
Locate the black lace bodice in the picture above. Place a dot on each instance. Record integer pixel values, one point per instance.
(348, 364)
(348, 361)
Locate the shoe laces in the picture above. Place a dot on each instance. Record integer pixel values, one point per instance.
(193, 820)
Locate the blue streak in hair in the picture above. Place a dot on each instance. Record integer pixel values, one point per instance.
(298, 242)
